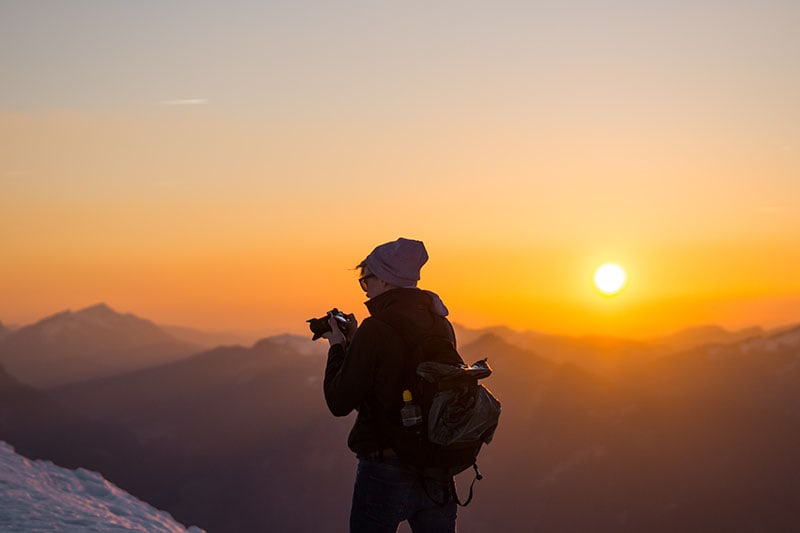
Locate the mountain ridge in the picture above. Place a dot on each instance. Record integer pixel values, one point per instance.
(74, 346)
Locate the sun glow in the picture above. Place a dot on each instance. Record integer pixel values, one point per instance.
(610, 278)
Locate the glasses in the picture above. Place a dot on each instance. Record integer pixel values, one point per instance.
(363, 281)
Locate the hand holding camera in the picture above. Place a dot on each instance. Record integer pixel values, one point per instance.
(335, 326)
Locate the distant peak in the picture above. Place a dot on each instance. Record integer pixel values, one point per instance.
(97, 309)
(789, 336)
(704, 328)
(490, 337)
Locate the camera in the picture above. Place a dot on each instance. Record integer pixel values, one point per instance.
(320, 326)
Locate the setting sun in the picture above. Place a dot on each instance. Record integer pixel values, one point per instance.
(609, 278)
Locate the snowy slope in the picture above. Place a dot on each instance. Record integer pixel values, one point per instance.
(38, 496)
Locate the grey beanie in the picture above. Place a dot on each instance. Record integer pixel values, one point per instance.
(398, 262)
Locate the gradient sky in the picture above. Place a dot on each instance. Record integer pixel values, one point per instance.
(225, 164)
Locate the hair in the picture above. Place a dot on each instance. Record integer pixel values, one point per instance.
(363, 265)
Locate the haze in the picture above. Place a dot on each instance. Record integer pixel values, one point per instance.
(225, 166)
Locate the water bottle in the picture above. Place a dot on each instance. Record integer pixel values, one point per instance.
(410, 413)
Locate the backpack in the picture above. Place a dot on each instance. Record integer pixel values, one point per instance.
(458, 415)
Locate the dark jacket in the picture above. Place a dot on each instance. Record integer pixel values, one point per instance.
(369, 375)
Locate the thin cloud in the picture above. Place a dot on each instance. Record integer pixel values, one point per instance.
(186, 101)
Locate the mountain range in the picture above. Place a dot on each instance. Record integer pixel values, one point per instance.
(97, 341)
(609, 355)
(696, 432)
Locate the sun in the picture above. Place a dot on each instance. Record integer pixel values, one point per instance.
(610, 278)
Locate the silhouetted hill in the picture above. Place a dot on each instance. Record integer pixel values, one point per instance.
(40, 428)
(606, 355)
(250, 426)
(758, 370)
(694, 337)
(717, 427)
(4, 331)
(228, 388)
(209, 339)
(96, 341)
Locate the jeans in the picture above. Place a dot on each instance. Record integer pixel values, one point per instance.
(387, 492)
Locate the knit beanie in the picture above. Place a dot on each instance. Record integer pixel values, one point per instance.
(398, 262)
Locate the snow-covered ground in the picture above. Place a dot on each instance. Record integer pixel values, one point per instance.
(37, 496)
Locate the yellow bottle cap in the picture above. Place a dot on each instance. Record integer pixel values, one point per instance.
(407, 395)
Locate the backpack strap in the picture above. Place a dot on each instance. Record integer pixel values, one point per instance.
(416, 336)
(478, 477)
(452, 487)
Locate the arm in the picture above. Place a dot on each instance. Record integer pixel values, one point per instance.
(350, 372)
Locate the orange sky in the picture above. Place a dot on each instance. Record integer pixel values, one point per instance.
(229, 180)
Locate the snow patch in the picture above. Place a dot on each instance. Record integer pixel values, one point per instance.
(38, 496)
(301, 345)
(787, 339)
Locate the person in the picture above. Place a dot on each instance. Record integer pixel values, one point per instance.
(364, 371)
